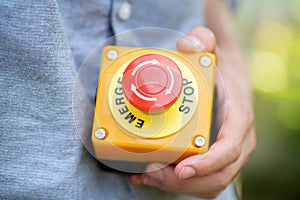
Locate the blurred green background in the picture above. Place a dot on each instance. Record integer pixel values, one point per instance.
(269, 31)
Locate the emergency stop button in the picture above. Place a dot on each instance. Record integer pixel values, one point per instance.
(152, 82)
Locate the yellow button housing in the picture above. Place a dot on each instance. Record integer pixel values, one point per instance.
(125, 133)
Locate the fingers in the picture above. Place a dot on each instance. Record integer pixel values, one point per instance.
(219, 156)
(236, 141)
(208, 186)
(206, 175)
(226, 150)
(204, 187)
(198, 40)
(156, 176)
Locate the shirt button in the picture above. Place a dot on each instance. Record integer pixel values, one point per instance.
(125, 11)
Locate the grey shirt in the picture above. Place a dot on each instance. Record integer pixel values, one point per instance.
(43, 43)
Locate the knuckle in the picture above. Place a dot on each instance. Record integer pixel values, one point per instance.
(235, 152)
(223, 182)
(207, 167)
(247, 114)
(250, 119)
(244, 112)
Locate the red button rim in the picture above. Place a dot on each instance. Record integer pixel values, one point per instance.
(152, 102)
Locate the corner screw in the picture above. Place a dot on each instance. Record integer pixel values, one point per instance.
(199, 141)
(100, 133)
(205, 61)
(112, 54)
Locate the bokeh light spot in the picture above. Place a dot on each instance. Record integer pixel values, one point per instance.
(268, 71)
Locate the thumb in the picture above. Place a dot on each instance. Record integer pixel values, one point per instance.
(200, 39)
(190, 166)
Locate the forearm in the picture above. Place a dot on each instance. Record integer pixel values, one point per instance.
(219, 20)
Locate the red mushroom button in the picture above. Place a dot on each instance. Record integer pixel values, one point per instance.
(152, 82)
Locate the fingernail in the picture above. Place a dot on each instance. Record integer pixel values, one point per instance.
(154, 167)
(186, 172)
(154, 171)
(192, 42)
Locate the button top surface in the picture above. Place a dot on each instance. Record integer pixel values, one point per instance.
(151, 79)
(152, 82)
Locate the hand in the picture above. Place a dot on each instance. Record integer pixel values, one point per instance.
(206, 175)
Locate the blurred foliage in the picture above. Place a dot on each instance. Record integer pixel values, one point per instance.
(270, 34)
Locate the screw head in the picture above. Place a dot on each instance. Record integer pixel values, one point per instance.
(205, 61)
(199, 141)
(100, 133)
(112, 54)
